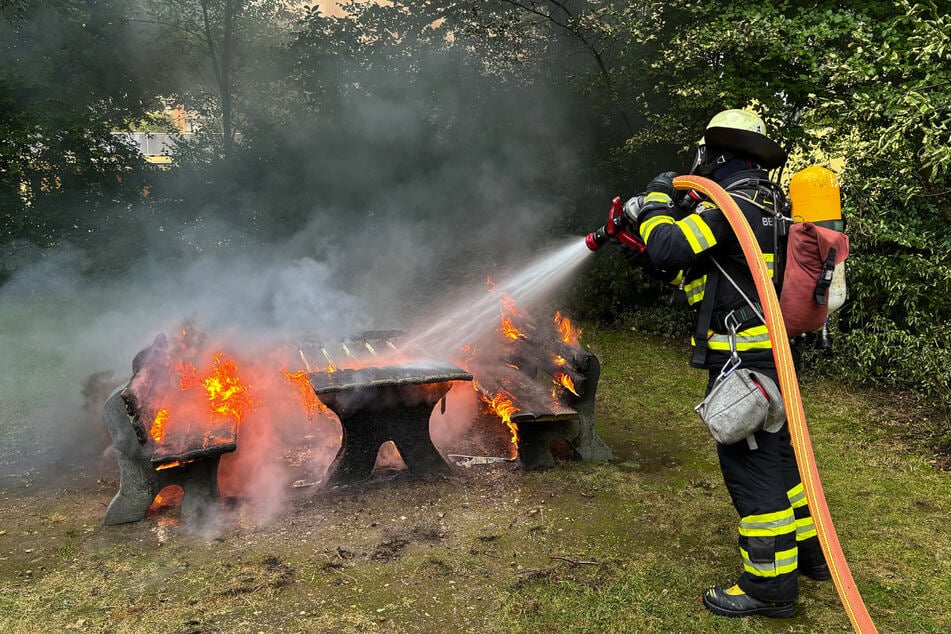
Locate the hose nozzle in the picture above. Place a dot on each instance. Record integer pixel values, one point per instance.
(617, 228)
(597, 238)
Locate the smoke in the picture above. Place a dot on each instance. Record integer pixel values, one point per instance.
(373, 213)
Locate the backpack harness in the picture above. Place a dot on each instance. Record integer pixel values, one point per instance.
(747, 190)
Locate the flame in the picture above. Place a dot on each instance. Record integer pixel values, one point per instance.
(509, 330)
(501, 404)
(311, 402)
(565, 330)
(187, 376)
(226, 394)
(158, 425)
(169, 465)
(566, 382)
(507, 303)
(507, 308)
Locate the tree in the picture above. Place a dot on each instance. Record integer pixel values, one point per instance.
(220, 42)
(895, 129)
(63, 174)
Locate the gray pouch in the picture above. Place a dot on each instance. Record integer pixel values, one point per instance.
(741, 403)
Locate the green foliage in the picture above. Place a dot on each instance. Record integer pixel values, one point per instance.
(895, 129)
(225, 52)
(869, 82)
(64, 176)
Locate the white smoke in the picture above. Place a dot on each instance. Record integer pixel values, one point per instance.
(396, 259)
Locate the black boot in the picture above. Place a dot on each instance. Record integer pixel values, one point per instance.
(735, 602)
(812, 562)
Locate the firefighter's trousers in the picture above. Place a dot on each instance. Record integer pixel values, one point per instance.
(767, 492)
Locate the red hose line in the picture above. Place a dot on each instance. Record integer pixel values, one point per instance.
(795, 414)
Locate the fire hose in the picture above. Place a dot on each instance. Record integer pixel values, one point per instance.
(795, 414)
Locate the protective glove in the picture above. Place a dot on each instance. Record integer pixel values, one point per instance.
(638, 208)
(663, 182)
(657, 199)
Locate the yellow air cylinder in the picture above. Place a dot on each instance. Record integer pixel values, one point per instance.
(815, 197)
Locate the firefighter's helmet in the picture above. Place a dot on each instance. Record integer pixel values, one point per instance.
(739, 132)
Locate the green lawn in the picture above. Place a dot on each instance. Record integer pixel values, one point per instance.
(626, 546)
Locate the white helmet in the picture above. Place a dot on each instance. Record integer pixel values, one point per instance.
(741, 132)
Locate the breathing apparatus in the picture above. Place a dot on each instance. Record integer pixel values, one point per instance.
(815, 197)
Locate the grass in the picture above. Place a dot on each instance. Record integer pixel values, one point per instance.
(626, 546)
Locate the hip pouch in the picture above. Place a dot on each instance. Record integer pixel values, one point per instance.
(741, 403)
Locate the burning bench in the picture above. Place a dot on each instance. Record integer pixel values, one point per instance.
(150, 457)
(544, 387)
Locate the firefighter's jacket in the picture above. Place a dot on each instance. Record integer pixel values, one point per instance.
(682, 248)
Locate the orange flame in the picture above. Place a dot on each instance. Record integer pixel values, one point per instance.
(566, 382)
(568, 334)
(171, 465)
(158, 425)
(502, 405)
(187, 376)
(509, 330)
(506, 308)
(507, 303)
(311, 402)
(227, 396)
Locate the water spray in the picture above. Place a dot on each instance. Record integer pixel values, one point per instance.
(475, 314)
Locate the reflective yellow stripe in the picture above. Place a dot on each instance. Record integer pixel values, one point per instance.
(697, 233)
(677, 280)
(797, 496)
(657, 197)
(694, 290)
(770, 260)
(787, 561)
(805, 528)
(651, 223)
(768, 524)
(755, 338)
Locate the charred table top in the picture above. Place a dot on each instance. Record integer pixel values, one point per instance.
(387, 402)
(397, 375)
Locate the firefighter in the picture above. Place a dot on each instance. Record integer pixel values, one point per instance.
(686, 240)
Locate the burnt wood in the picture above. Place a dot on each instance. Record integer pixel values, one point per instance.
(534, 401)
(218, 442)
(541, 344)
(385, 376)
(548, 411)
